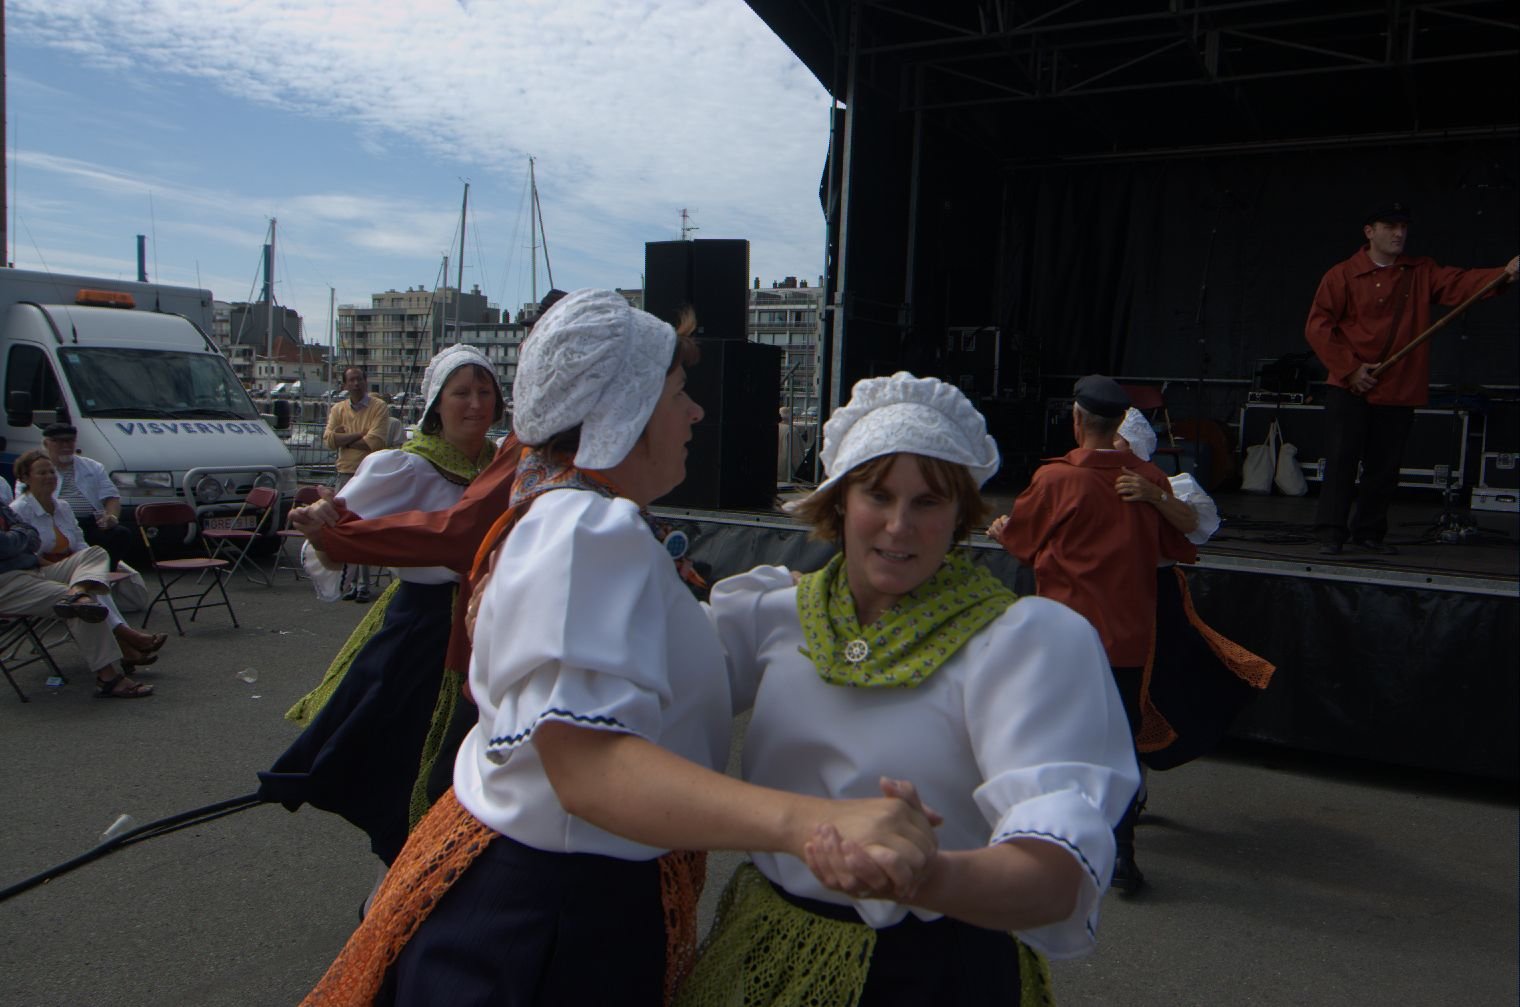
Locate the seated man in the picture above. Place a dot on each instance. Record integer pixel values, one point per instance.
(67, 590)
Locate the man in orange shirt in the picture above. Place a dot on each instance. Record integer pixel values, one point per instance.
(356, 427)
(1364, 311)
(1095, 553)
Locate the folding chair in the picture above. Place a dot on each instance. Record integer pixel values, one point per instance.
(152, 517)
(16, 632)
(305, 495)
(236, 543)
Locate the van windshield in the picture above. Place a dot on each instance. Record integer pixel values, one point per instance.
(112, 381)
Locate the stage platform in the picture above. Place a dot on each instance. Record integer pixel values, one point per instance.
(1403, 660)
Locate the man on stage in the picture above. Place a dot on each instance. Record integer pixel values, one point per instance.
(1097, 554)
(1364, 311)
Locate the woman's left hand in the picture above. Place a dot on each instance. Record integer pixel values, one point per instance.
(861, 871)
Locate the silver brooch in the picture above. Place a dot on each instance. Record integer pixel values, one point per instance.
(856, 651)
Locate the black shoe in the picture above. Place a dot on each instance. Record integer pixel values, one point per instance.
(362, 594)
(1380, 547)
(1127, 879)
(1330, 549)
(349, 594)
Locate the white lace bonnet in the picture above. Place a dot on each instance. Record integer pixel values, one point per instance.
(592, 360)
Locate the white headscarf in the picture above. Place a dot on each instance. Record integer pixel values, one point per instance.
(443, 365)
(1141, 435)
(903, 413)
(595, 362)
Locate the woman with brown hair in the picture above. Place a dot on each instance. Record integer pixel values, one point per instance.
(61, 538)
(902, 657)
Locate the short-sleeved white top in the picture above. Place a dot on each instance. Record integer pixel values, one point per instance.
(1020, 734)
(1186, 489)
(584, 621)
(390, 482)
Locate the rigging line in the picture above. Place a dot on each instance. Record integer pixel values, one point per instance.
(512, 244)
(45, 267)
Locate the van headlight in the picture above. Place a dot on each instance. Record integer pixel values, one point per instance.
(143, 480)
(208, 489)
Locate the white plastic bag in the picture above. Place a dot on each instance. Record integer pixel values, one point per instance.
(131, 594)
(1290, 475)
(1260, 467)
(327, 583)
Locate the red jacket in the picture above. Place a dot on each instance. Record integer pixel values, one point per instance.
(1354, 310)
(1092, 550)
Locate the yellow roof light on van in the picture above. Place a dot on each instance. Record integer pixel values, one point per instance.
(104, 299)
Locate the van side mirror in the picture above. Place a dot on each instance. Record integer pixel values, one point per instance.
(18, 410)
(281, 414)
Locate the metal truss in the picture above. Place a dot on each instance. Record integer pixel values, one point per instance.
(993, 52)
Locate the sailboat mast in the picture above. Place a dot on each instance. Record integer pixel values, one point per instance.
(269, 300)
(533, 226)
(548, 267)
(459, 294)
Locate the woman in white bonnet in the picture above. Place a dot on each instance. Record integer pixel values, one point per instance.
(547, 874)
(365, 753)
(902, 657)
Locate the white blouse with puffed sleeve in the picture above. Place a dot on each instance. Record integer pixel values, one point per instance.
(584, 621)
(1019, 734)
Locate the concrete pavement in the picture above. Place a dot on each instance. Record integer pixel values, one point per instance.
(1274, 879)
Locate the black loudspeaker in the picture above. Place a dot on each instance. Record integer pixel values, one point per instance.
(731, 461)
(711, 275)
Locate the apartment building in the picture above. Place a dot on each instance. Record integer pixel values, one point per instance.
(786, 314)
(394, 338)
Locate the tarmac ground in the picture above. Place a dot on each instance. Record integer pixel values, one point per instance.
(1275, 877)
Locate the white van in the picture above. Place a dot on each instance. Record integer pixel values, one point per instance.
(154, 400)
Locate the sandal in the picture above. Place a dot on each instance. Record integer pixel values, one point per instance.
(121, 687)
(79, 606)
(131, 657)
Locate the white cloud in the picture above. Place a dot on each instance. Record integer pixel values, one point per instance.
(633, 109)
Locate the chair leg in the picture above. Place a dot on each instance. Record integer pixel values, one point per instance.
(168, 600)
(12, 679)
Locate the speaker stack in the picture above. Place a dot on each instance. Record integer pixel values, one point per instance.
(731, 461)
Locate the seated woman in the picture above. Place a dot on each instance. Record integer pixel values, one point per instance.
(902, 657)
(61, 537)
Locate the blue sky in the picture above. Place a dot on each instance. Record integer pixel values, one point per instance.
(356, 123)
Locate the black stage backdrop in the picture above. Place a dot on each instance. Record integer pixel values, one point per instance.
(1106, 263)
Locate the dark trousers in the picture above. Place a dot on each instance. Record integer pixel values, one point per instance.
(1374, 436)
(115, 540)
(1129, 681)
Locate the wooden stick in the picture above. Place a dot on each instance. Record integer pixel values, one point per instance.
(1436, 327)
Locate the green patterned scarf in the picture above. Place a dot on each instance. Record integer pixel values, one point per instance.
(451, 463)
(911, 639)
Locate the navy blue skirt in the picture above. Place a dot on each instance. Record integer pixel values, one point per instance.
(527, 928)
(361, 755)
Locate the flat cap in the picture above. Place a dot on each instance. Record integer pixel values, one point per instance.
(60, 431)
(1389, 213)
(1101, 396)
